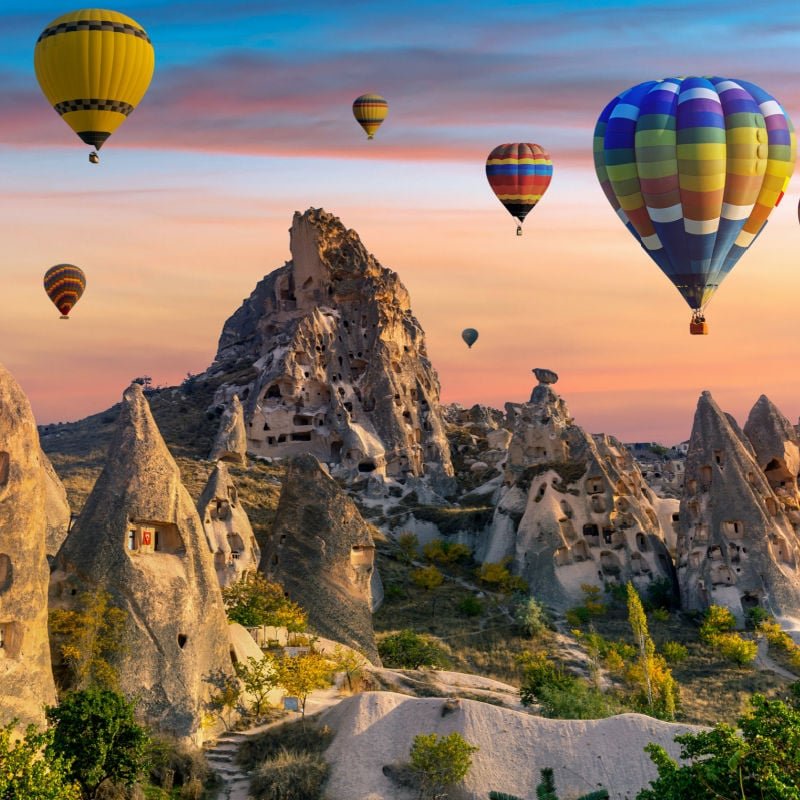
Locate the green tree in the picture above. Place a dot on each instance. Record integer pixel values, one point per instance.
(641, 636)
(409, 650)
(224, 697)
(25, 774)
(95, 731)
(88, 638)
(546, 790)
(408, 543)
(441, 551)
(497, 575)
(299, 675)
(440, 761)
(349, 661)
(256, 602)
(759, 762)
(530, 617)
(428, 578)
(258, 678)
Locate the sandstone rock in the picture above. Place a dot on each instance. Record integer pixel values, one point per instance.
(574, 508)
(340, 361)
(322, 552)
(738, 544)
(56, 507)
(545, 376)
(228, 531)
(231, 441)
(26, 678)
(139, 537)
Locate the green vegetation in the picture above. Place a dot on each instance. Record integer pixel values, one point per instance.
(409, 650)
(427, 578)
(717, 631)
(762, 762)
(531, 618)
(470, 606)
(778, 639)
(98, 740)
(258, 678)
(439, 762)
(674, 652)
(301, 674)
(88, 638)
(408, 544)
(27, 772)
(440, 551)
(255, 602)
(497, 576)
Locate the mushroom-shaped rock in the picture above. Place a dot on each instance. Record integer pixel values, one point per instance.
(322, 552)
(26, 678)
(545, 375)
(140, 539)
(227, 527)
(231, 441)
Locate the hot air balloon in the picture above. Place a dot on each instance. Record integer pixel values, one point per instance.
(64, 284)
(370, 111)
(94, 66)
(519, 175)
(693, 167)
(470, 336)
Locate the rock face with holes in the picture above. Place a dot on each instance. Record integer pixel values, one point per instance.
(228, 531)
(231, 441)
(26, 678)
(740, 513)
(321, 550)
(339, 365)
(574, 507)
(56, 507)
(139, 537)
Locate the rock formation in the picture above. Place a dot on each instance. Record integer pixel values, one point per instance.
(322, 552)
(738, 545)
(227, 527)
(340, 365)
(56, 508)
(26, 678)
(574, 507)
(231, 441)
(139, 537)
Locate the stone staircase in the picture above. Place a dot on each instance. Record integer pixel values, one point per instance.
(222, 759)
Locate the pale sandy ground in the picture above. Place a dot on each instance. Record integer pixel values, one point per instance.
(377, 728)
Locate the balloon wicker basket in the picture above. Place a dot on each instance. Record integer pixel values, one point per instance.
(63, 316)
(698, 328)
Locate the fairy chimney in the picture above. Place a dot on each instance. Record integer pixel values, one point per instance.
(139, 538)
(231, 442)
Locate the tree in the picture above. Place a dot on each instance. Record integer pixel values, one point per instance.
(303, 673)
(349, 661)
(647, 665)
(88, 639)
(225, 695)
(443, 552)
(408, 543)
(428, 578)
(717, 631)
(530, 617)
(409, 650)
(25, 773)
(259, 679)
(440, 762)
(760, 762)
(497, 575)
(255, 602)
(546, 790)
(95, 731)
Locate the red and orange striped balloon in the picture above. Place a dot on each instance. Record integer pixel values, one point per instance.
(64, 284)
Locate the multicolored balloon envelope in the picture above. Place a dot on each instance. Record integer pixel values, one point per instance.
(470, 336)
(94, 66)
(693, 167)
(370, 111)
(519, 175)
(64, 284)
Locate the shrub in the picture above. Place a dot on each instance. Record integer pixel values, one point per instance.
(497, 575)
(756, 615)
(732, 647)
(674, 652)
(470, 606)
(441, 551)
(660, 594)
(409, 650)
(427, 578)
(440, 761)
(531, 618)
(578, 616)
(171, 760)
(660, 614)
(291, 736)
(290, 776)
(408, 543)
(718, 619)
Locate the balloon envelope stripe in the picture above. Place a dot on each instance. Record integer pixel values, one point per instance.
(93, 25)
(64, 285)
(519, 174)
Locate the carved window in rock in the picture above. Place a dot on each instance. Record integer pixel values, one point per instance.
(598, 503)
(223, 509)
(367, 466)
(157, 537)
(733, 529)
(10, 639)
(608, 533)
(540, 491)
(782, 550)
(609, 563)
(362, 556)
(636, 564)
(705, 477)
(6, 572)
(721, 575)
(5, 467)
(594, 485)
(566, 508)
(719, 457)
(691, 486)
(562, 556)
(236, 544)
(641, 542)
(131, 539)
(580, 551)
(592, 534)
(778, 476)
(714, 553)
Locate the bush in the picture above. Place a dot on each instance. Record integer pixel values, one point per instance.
(441, 551)
(291, 736)
(408, 543)
(427, 578)
(531, 618)
(732, 647)
(660, 614)
(290, 776)
(674, 652)
(718, 619)
(440, 761)
(183, 764)
(497, 575)
(470, 607)
(757, 615)
(660, 594)
(409, 650)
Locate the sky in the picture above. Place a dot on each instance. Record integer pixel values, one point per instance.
(248, 119)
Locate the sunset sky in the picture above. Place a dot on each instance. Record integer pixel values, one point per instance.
(248, 119)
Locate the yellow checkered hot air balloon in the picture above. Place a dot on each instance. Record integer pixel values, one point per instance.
(94, 66)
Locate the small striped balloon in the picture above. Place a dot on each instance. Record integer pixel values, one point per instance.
(519, 175)
(370, 111)
(64, 284)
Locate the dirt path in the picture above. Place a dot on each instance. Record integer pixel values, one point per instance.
(222, 754)
(763, 661)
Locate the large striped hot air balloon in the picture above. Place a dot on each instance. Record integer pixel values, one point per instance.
(94, 66)
(693, 167)
(519, 175)
(370, 111)
(64, 284)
